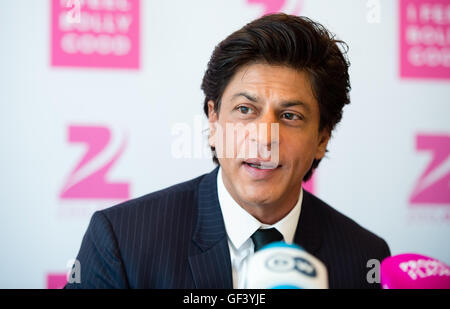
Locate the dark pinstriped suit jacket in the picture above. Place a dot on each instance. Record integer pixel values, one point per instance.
(176, 238)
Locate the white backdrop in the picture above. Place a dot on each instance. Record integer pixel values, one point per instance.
(370, 173)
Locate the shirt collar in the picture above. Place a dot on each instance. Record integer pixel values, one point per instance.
(240, 225)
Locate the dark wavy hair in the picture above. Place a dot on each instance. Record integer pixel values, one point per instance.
(296, 42)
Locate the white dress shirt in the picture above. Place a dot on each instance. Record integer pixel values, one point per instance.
(240, 225)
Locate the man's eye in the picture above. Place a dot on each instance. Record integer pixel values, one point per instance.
(244, 109)
(291, 116)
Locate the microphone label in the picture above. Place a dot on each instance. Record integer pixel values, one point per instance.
(285, 263)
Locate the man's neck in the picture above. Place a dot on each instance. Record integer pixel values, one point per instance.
(271, 212)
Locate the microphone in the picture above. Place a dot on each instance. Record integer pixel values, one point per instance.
(279, 265)
(414, 271)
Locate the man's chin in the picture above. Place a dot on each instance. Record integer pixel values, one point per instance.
(258, 194)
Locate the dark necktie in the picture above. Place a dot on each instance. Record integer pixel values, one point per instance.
(263, 237)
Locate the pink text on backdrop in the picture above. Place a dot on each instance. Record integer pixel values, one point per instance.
(87, 182)
(433, 188)
(95, 34)
(424, 39)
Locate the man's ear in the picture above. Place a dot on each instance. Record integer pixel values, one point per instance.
(324, 137)
(212, 122)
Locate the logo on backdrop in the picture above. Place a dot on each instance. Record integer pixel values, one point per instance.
(89, 178)
(57, 280)
(95, 33)
(274, 6)
(433, 185)
(424, 39)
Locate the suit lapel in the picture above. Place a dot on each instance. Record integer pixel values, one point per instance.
(210, 258)
(308, 233)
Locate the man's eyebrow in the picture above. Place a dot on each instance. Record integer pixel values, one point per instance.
(296, 103)
(246, 95)
(283, 104)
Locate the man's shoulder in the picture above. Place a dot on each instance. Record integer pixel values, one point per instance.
(346, 247)
(341, 226)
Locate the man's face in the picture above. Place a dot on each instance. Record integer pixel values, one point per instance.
(273, 122)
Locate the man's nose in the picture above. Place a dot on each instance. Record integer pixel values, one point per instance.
(267, 135)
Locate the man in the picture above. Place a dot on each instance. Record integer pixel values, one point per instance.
(274, 91)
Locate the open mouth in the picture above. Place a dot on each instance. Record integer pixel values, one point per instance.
(262, 165)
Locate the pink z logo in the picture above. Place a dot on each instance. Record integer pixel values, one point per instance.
(56, 280)
(310, 184)
(292, 7)
(433, 186)
(88, 180)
